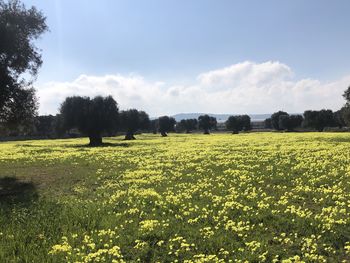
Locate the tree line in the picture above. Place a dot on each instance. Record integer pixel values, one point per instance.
(20, 60)
(311, 120)
(100, 116)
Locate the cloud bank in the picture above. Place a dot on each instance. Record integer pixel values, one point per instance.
(245, 87)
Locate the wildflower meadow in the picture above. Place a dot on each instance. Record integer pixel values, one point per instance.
(251, 197)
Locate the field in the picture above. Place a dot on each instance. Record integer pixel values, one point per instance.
(259, 197)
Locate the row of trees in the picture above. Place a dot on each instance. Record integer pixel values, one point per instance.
(283, 121)
(311, 119)
(100, 116)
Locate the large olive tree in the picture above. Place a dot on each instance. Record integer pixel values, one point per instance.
(207, 123)
(275, 119)
(238, 123)
(91, 117)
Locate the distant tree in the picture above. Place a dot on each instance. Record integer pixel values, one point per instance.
(345, 112)
(319, 119)
(154, 126)
(311, 120)
(207, 123)
(233, 124)
(45, 125)
(339, 117)
(296, 120)
(165, 125)
(133, 120)
(327, 118)
(238, 123)
(290, 122)
(284, 122)
(275, 118)
(59, 125)
(19, 61)
(90, 116)
(246, 123)
(188, 125)
(268, 123)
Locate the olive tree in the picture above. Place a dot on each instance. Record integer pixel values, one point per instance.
(275, 119)
(207, 123)
(188, 125)
(91, 117)
(238, 123)
(165, 125)
(319, 119)
(133, 120)
(290, 122)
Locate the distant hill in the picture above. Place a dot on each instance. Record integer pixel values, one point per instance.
(219, 117)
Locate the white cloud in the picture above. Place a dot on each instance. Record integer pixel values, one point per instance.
(246, 73)
(246, 87)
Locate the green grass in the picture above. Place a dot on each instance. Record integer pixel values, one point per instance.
(194, 198)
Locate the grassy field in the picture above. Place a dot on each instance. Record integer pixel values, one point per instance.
(260, 197)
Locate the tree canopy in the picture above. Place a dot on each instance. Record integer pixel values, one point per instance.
(290, 122)
(132, 120)
(187, 125)
(238, 123)
(166, 124)
(275, 118)
(20, 60)
(153, 126)
(268, 123)
(45, 125)
(207, 123)
(340, 117)
(92, 117)
(318, 120)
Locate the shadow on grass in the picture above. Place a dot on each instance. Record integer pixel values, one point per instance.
(14, 191)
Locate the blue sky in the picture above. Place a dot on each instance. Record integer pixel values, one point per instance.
(172, 43)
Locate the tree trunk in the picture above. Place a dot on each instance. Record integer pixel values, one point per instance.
(95, 140)
(206, 131)
(129, 136)
(234, 132)
(163, 134)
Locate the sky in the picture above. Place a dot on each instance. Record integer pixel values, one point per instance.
(180, 56)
